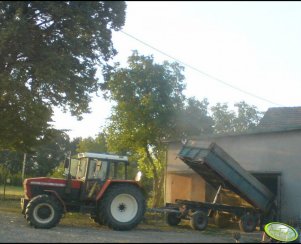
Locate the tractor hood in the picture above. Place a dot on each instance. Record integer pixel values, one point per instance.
(47, 182)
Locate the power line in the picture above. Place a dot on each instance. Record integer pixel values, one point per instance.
(202, 72)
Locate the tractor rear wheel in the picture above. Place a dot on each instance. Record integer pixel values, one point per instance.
(43, 212)
(123, 207)
(97, 217)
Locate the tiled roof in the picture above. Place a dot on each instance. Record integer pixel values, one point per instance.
(281, 118)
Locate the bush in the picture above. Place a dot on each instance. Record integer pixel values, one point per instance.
(15, 179)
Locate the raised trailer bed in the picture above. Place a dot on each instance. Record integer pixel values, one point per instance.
(221, 171)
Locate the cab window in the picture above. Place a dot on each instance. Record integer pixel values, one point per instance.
(97, 169)
(118, 170)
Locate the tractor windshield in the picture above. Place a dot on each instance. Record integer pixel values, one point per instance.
(97, 169)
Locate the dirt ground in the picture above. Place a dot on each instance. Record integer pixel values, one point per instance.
(14, 229)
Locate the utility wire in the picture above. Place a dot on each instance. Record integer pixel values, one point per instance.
(202, 72)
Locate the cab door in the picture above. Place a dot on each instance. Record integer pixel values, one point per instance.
(95, 178)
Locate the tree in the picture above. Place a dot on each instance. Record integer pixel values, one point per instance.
(97, 145)
(49, 52)
(229, 121)
(147, 97)
(247, 116)
(49, 154)
(223, 118)
(194, 119)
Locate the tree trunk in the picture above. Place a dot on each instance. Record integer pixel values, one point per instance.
(4, 186)
(157, 185)
(158, 191)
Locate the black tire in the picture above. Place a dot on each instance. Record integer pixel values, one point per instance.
(173, 219)
(221, 220)
(247, 222)
(271, 216)
(122, 207)
(97, 217)
(199, 220)
(43, 212)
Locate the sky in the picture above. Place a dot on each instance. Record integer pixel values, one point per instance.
(232, 51)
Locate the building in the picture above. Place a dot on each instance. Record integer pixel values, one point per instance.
(271, 152)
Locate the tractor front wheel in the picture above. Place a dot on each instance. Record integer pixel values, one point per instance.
(43, 212)
(123, 207)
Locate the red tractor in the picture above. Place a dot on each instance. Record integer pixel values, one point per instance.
(96, 184)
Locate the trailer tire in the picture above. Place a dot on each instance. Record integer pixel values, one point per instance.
(43, 212)
(173, 219)
(247, 222)
(199, 220)
(122, 207)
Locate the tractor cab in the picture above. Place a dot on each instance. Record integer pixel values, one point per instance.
(94, 169)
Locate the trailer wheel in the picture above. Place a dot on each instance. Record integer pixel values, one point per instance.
(267, 218)
(247, 222)
(43, 212)
(123, 207)
(173, 219)
(199, 220)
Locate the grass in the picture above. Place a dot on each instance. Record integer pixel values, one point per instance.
(11, 190)
(10, 205)
(11, 201)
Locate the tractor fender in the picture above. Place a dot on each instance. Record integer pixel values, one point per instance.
(109, 182)
(56, 195)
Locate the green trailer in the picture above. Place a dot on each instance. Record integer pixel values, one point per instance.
(221, 171)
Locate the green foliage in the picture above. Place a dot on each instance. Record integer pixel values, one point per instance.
(97, 145)
(15, 178)
(147, 96)
(229, 121)
(194, 119)
(223, 118)
(11, 161)
(49, 52)
(48, 155)
(247, 117)
(58, 172)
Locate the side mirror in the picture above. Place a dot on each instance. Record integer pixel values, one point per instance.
(66, 163)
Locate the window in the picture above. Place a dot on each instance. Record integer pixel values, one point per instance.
(81, 171)
(117, 170)
(97, 169)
